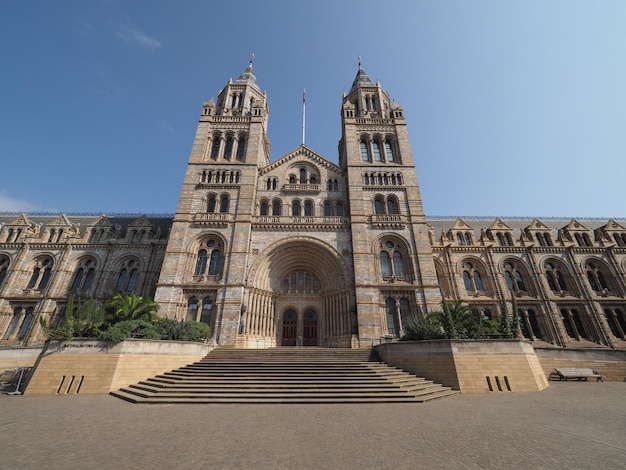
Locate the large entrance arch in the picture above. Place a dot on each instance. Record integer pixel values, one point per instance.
(304, 278)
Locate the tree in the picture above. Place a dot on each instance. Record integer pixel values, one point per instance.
(130, 307)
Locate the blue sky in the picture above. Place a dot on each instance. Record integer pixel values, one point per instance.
(513, 108)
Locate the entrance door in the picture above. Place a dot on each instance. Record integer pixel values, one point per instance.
(309, 337)
(290, 321)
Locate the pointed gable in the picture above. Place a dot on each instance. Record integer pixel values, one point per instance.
(460, 224)
(575, 226)
(499, 224)
(537, 224)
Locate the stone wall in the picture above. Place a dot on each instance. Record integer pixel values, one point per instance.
(90, 366)
(472, 366)
(12, 357)
(611, 364)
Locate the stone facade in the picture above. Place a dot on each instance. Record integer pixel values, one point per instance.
(301, 250)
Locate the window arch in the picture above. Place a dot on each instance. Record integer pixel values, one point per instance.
(514, 278)
(364, 151)
(389, 150)
(392, 205)
(4, 268)
(301, 282)
(206, 314)
(596, 277)
(42, 272)
(328, 211)
(392, 258)
(377, 152)
(210, 206)
(209, 258)
(263, 209)
(276, 207)
(391, 316)
(308, 208)
(127, 277)
(472, 278)
(241, 148)
(228, 147)
(224, 203)
(84, 275)
(379, 205)
(555, 277)
(302, 176)
(296, 208)
(215, 148)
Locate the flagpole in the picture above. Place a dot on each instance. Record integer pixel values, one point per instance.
(303, 114)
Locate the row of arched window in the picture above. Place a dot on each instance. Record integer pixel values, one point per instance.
(83, 278)
(228, 146)
(386, 205)
(382, 179)
(300, 282)
(516, 277)
(220, 176)
(209, 258)
(203, 307)
(377, 149)
(330, 207)
(217, 203)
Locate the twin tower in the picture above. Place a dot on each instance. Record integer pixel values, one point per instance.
(299, 251)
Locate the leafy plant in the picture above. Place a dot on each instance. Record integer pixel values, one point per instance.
(80, 320)
(131, 329)
(130, 307)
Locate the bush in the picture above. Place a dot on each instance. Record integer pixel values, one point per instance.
(131, 329)
(183, 331)
(414, 330)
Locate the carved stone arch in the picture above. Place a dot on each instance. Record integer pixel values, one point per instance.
(443, 278)
(521, 266)
(566, 271)
(606, 276)
(472, 265)
(393, 244)
(283, 256)
(193, 246)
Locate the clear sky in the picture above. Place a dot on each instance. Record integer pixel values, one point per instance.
(513, 108)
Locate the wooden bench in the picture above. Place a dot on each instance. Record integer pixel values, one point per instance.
(578, 373)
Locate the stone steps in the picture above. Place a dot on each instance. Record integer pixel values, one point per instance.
(285, 375)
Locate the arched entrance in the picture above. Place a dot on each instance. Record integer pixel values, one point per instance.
(290, 324)
(309, 330)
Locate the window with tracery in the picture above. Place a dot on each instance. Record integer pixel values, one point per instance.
(471, 278)
(42, 272)
(514, 278)
(301, 282)
(596, 277)
(84, 275)
(209, 258)
(4, 268)
(555, 277)
(128, 276)
(391, 258)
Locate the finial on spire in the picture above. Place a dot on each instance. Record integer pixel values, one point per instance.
(251, 58)
(359, 58)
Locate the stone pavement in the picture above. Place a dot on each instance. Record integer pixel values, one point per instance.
(573, 425)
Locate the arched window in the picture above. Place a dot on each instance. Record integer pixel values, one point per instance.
(300, 282)
(24, 327)
(308, 208)
(302, 176)
(215, 149)
(376, 147)
(15, 319)
(210, 207)
(263, 209)
(295, 208)
(389, 151)
(340, 209)
(514, 278)
(83, 278)
(472, 278)
(4, 268)
(385, 264)
(379, 207)
(596, 278)
(276, 207)
(459, 239)
(392, 206)
(241, 148)
(292, 179)
(127, 278)
(468, 239)
(327, 209)
(192, 309)
(224, 204)
(556, 281)
(228, 148)
(42, 272)
(201, 262)
(268, 184)
(214, 264)
(364, 153)
(392, 264)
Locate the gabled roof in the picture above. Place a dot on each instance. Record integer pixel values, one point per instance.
(22, 221)
(537, 224)
(499, 224)
(302, 151)
(575, 226)
(460, 224)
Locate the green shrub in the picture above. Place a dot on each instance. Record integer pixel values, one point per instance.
(414, 330)
(131, 329)
(183, 331)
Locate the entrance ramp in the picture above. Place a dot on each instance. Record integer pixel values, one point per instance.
(285, 375)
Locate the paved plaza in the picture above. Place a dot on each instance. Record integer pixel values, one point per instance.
(573, 425)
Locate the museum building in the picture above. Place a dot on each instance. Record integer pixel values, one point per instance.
(303, 251)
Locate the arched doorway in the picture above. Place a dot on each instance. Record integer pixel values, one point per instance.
(290, 323)
(309, 331)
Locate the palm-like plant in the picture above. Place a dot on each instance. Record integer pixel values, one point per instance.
(130, 307)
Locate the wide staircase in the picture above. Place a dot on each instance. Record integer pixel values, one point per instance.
(285, 375)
